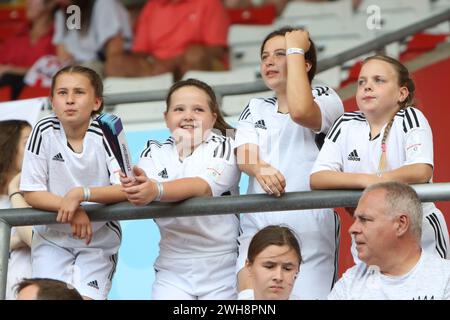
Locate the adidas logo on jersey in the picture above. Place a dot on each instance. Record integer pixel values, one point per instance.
(260, 124)
(93, 284)
(163, 174)
(353, 156)
(58, 157)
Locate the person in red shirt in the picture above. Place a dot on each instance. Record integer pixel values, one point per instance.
(22, 50)
(176, 36)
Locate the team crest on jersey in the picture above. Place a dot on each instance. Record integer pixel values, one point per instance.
(260, 124)
(58, 157)
(163, 174)
(353, 156)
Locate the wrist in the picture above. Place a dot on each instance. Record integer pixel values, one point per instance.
(159, 191)
(85, 194)
(12, 194)
(293, 50)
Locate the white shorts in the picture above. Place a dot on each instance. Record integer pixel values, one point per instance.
(89, 268)
(434, 236)
(19, 267)
(211, 278)
(318, 232)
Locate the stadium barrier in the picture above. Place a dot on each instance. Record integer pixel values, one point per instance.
(198, 207)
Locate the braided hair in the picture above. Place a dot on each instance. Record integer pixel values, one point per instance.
(404, 80)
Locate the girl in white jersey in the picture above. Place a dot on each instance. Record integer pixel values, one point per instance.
(273, 262)
(387, 140)
(67, 162)
(13, 137)
(278, 140)
(197, 254)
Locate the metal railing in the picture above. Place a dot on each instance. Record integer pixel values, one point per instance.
(198, 207)
(377, 44)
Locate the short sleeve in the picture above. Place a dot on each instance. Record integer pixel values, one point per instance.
(110, 20)
(418, 138)
(148, 165)
(245, 130)
(330, 104)
(220, 171)
(34, 175)
(329, 158)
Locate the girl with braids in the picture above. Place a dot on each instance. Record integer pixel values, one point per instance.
(104, 31)
(197, 254)
(387, 140)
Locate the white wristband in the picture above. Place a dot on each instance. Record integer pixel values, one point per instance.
(86, 194)
(160, 187)
(295, 51)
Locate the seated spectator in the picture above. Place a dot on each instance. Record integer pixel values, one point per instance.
(22, 50)
(46, 289)
(387, 231)
(104, 31)
(176, 36)
(273, 262)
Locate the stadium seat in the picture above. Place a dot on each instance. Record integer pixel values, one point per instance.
(138, 84)
(235, 76)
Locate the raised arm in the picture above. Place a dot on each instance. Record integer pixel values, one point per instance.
(302, 108)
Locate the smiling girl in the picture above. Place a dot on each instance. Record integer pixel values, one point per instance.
(387, 140)
(197, 254)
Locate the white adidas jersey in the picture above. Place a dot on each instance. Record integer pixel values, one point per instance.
(349, 148)
(284, 144)
(292, 149)
(428, 280)
(51, 165)
(213, 161)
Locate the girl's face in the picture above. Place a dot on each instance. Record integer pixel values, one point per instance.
(378, 91)
(189, 117)
(74, 99)
(24, 134)
(273, 64)
(274, 272)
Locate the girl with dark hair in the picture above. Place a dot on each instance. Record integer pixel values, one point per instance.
(389, 139)
(197, 254)
(277, 141)
(13, 137)
(273, 262)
